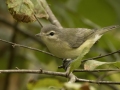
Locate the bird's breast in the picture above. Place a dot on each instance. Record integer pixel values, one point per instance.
(62, 50)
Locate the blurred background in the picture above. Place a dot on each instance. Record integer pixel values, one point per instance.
(70, 13)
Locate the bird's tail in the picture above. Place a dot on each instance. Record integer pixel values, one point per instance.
(105, 29)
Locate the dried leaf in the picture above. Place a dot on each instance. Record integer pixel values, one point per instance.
(92, 64)
(21, 10)
(24, 10)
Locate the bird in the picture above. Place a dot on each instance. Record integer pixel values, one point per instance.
(68, 42)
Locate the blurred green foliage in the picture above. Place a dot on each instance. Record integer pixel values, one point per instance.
(44, 84)
(70, 13)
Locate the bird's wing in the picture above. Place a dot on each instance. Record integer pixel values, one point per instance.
(78, 36)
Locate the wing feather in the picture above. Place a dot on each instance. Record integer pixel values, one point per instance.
(77, 37)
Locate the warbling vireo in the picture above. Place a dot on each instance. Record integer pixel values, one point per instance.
(67, 42)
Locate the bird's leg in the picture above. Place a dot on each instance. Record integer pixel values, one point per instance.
(65, 63)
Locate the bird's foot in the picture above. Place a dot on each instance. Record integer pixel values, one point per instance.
(65, 64)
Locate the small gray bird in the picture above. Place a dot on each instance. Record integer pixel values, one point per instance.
(68, 42)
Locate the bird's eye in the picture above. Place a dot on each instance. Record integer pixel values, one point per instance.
(51, 33)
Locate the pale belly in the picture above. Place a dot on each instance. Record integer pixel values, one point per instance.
(63, 52)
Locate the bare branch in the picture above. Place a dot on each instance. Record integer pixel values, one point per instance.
(97, 82)
(96, 70)
(38, 21)
(40, 71)
(97, 57)
(52, 17)
(19, 45)
(57, 74)
(72, 78)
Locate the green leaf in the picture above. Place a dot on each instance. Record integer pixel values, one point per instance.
(44, 84)
(85, 48)
(92, 64)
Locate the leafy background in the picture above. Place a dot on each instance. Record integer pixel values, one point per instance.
(70, 13)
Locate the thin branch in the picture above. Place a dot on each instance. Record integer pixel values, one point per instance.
(38, 21)
(97, 82)
(52, 17)
(35, 49)
(40, 71)
(96, 70)
(97, 57)
(57, 74)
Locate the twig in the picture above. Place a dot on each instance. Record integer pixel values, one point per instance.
(40, 71)
(57, 74)
(96, 70)
(38, 21)
(97, 57)
(52, 17)
(19, 45)
(97, 82)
